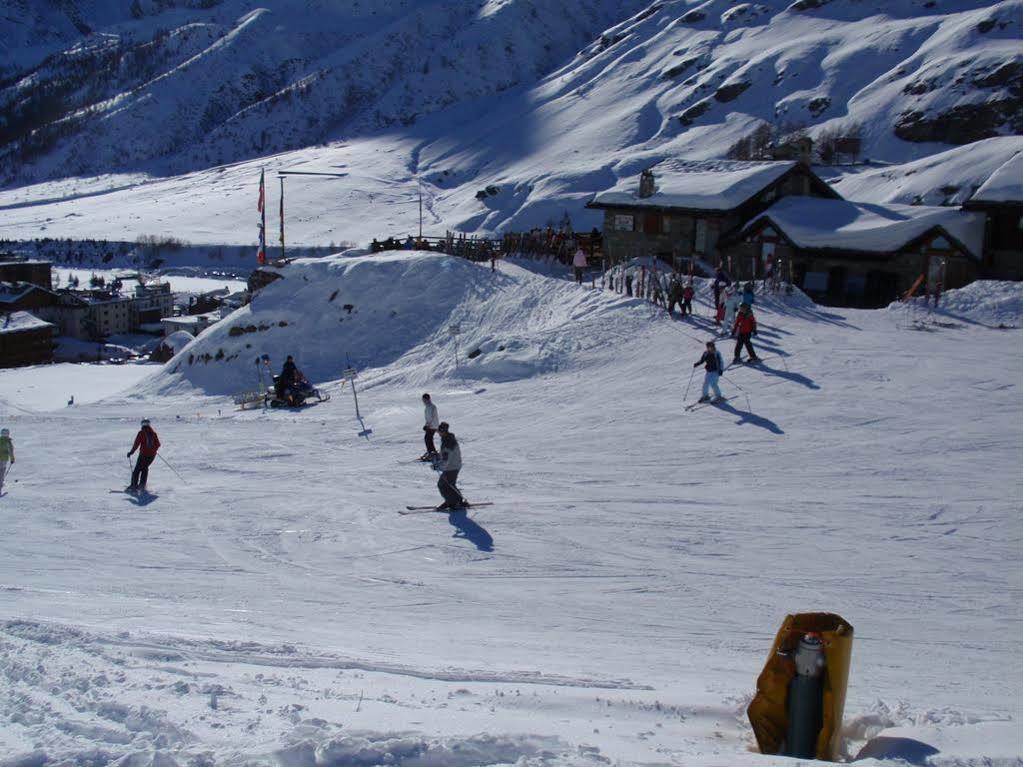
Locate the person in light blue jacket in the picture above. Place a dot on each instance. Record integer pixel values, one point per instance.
(747, 294)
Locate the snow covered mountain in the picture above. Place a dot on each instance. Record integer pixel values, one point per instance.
(545, 103)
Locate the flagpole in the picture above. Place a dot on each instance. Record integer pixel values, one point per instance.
(282, 217)
(261, 257)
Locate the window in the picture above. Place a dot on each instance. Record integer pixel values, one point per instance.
(622, 222)
(700, 236)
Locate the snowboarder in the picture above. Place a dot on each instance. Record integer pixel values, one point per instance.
(579, 263)
(449, 464)
(147, 443)
(688, 292)
(6, 454)
(430, 428)
(714, 365)
(745, 327)
(732, 302)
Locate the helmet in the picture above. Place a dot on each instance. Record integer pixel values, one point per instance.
(5, 432)
(145, 422)
(443, 426)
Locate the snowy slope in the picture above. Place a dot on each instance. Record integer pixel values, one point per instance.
(614, 605)
(547, 104)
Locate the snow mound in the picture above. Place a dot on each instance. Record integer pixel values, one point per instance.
(177, 340)
(987, 302)
(406, 315)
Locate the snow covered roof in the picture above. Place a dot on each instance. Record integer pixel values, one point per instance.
(697, 184)
(1005, 184)
(19, 322)
(12, 291)
(812, 222)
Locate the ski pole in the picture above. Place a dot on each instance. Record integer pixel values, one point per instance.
(171, 467)
(691, 376)
(744, 392)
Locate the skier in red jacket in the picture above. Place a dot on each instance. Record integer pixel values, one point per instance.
(745, 327)
(147, 443)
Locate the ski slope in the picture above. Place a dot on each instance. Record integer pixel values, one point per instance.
(614, 605)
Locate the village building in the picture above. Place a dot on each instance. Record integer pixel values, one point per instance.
(151, 303)
(861, 254)
(20, 269)
(25, 340)
(1000, 198)
(680, 211)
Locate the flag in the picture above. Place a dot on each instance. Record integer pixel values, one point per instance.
(261, 253)
(262, 193)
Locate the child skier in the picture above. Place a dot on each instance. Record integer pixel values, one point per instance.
(6, 454)
(430, 428)
(745, 327)
(449, 464)
(732, 303)
(147, 443)
(714, 365)
(687, 298)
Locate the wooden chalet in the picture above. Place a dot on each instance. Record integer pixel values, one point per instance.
(861, 254)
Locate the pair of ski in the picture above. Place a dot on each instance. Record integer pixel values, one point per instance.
(427, 509)
(698, 404)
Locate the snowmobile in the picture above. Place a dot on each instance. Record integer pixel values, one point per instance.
(294, 394)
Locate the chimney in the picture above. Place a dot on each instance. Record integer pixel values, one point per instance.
(804, 146)
(646, 184)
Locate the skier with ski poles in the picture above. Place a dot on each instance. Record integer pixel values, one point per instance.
(449, 464)
(6, 455)
(430, 428)
(714, 366)
(745, 327)
(148, 444)
(579, 263)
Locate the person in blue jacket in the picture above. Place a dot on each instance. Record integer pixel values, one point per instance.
(747, 294)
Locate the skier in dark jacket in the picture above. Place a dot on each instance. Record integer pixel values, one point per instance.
(148, 444)
(745, 327)
(449, 464)
(714, 366)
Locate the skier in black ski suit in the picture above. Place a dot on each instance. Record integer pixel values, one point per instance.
(449, 464)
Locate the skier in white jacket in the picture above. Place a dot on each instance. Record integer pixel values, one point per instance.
(579, 262)
(732, 302)
(449, 464)
(432, 419)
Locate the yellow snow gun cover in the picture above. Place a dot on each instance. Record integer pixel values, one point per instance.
(768, 710)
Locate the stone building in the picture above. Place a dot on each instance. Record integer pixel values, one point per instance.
(681, 211)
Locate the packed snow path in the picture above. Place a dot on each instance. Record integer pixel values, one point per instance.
(615, 603)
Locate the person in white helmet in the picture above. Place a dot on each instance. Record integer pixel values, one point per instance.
(147, 443)
(6, 454)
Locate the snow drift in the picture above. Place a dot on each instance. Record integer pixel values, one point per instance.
(401, 309)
